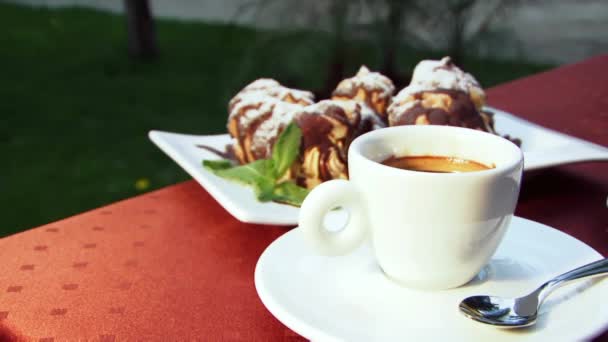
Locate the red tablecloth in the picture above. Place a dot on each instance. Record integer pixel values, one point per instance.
(173, 265)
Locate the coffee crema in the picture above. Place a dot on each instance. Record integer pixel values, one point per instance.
(436, 164)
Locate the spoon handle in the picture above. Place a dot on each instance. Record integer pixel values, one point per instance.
(593, 269)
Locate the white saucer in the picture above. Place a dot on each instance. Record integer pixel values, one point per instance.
(348, 298)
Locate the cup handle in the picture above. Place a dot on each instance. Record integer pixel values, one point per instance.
(323, 198)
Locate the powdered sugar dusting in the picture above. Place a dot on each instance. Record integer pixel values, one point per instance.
(272, 88)
(398, 108)
(282, 114)
(260, 90)
(409, 91)
(250, 106)
(322, 106)
(431, 75)
(370, 81)
(363, 70)
(351, 108)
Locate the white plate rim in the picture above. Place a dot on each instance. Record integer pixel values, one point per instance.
(216, 186)
(600, 155)
(247, 209)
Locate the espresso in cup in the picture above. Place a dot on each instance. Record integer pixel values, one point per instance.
(428, 230)
(437, 164)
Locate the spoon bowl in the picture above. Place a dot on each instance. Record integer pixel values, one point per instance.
(503, 312)
(523, 311)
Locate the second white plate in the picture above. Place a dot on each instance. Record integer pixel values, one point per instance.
(542, 148)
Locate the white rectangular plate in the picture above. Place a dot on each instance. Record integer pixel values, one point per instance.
(542, 148)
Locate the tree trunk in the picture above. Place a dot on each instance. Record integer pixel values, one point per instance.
(336, 67)
(460, 11)
(140, 29)
(456, 48)
(335, 73)
(391, 38)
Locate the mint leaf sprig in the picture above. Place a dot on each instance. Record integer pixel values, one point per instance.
(263, 175)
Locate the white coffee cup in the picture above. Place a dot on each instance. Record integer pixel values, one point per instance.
(428, 230)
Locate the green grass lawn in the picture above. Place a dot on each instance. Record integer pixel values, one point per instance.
(75, 110)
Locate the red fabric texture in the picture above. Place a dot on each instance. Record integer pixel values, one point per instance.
(173, 265)
(170, 265)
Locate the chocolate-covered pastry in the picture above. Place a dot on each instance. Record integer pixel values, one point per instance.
(370, 88)
(443, 74)
(328, 128)
(440, 94)
(258, 114)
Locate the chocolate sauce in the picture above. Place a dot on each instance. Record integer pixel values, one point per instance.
(228, 152)
(369, 95)
(316, 133)
(461, 112)
(242, 132)
(315, 130)
(258, 152)
(449, 65)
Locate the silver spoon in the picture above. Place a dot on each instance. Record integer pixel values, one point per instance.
(522, 312)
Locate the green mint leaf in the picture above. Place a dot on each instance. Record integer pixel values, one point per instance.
(286, 149)
(213, 165)
(258, 174)
(263, 188)
(262, 175)
(290, 193)
(248, 174)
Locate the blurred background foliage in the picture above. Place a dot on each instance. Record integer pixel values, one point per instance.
(76, 107)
